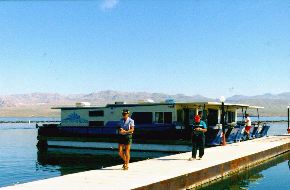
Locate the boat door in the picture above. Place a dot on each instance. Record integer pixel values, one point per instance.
(188, 120)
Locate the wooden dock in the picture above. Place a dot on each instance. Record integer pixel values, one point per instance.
(170, 172)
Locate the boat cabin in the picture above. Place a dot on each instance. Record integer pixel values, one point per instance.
(150, 114)
(168, 123)
(152, 120)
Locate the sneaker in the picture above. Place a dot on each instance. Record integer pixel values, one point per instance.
(125, 167)
(200, 158)
(191, 159)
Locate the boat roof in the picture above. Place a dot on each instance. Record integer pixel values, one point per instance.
(192, 104)
(237, 106)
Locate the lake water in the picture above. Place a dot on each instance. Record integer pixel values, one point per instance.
(272, 175)
(21, 162)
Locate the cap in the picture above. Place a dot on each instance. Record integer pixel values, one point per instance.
(125, 111)
(197, 119)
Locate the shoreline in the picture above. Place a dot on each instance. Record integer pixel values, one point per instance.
(53, 119)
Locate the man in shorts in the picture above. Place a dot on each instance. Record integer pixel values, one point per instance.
(126, 129)
(248, 125)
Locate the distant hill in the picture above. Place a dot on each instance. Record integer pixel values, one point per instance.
(268, 96)
(274, 104)
(38, 104)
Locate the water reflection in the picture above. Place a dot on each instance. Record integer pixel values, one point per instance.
(20, 163)
(248, 178)
(69, 160)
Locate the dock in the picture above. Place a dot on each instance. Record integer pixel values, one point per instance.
(170, 172)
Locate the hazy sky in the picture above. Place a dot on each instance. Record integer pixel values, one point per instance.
(203, 47)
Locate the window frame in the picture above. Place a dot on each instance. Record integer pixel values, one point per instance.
(155, 118)
(171, 117)
(92, 113)
(102, 122)
(137, 119)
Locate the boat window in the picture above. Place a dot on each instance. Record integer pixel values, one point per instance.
(192, 113)
(180, 116)
(96, 113)
(159, 117)
(142, 117)
(204, 115)
(96, 123)
(212, 117)
(230, 117)
(167, 117)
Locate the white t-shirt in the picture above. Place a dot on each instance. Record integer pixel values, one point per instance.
(126, 125)
(248, 121)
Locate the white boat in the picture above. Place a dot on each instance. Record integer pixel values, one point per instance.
(158, 126)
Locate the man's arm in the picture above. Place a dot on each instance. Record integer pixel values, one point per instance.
(201, 129)
(131, 130)
(246, 121)
(122, 131)
(204, 128)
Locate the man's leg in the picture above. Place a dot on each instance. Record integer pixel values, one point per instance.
(127, 153)
(194, 147)
(247, 135)
(201, 146)
(121, 153)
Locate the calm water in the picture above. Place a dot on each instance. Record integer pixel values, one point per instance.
(20, 161)
(272, 175)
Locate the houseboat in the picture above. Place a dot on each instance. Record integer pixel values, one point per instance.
(158, 126)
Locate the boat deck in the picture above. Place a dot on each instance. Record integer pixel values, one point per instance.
(170, 172)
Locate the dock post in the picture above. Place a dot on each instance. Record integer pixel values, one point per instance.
(288, 127)
(222, 99)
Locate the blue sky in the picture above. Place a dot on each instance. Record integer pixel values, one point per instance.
(205, 47)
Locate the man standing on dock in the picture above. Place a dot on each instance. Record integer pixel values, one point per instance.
(198, 137)
(248, 125)
(126, 129)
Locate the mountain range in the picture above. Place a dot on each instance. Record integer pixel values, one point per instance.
(38, 104)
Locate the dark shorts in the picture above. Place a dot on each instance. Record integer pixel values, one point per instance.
(125, 139)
